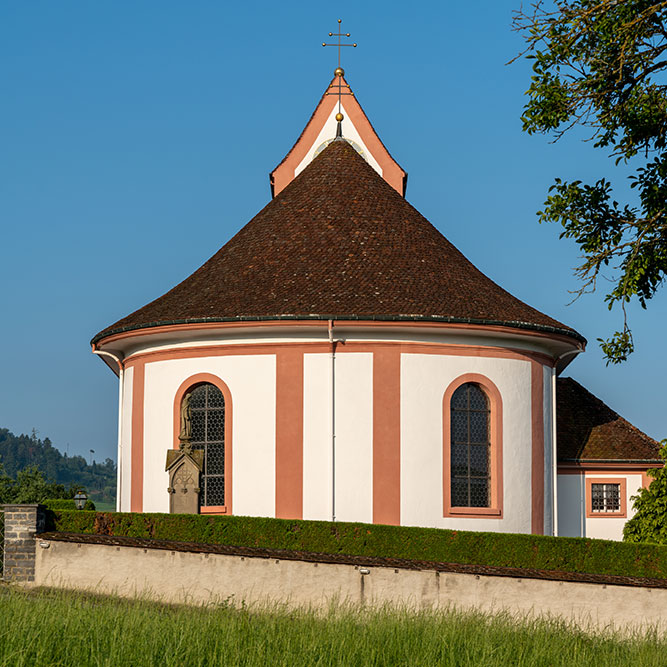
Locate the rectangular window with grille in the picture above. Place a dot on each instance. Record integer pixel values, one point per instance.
(605, 498)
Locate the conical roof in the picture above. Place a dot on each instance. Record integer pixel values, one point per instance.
(338, 242)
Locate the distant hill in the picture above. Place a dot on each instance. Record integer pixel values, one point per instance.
(20, 451)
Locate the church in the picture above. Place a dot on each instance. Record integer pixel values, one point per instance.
(338, 359)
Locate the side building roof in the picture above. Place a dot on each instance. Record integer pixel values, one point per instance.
(589, 430)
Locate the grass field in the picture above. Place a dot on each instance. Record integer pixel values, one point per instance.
(101, 506)
(57, 628)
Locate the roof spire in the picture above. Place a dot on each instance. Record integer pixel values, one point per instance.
(339, 72)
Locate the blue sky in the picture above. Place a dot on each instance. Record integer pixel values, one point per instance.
(137, 138)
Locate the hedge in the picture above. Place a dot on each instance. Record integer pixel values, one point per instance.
(564, 554)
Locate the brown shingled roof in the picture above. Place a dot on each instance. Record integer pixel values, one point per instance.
(338, 242)
(588, 429)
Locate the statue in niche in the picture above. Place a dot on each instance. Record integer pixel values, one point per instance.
(184, 466)
(185, 436)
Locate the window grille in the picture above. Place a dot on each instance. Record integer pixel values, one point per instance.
(207, 415)
(470, 470)
(605, 497)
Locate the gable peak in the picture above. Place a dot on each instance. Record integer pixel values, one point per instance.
(338, 113)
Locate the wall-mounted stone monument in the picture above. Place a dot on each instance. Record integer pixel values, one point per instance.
(184, 466)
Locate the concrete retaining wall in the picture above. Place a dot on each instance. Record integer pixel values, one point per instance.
(177, 576)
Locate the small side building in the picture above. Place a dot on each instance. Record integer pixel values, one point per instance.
(602, 463)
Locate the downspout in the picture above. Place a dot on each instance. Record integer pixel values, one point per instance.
(121, 392)
(554, 444)
(554, 459)
(333, 420)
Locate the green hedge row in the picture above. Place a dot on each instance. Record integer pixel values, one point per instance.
(566, 554)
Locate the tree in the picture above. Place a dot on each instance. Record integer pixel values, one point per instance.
(7, 485)
(601, 65)
(649, 524)
(19, 452)
(30, 487)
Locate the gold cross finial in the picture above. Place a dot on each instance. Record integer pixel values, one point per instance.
(339, 34)
(339, 72)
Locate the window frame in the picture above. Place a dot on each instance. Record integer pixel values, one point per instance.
(495, 509)
(186, 386)
(622, 513)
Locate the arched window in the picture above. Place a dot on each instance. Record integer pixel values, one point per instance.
(470, 447)
(205, 407)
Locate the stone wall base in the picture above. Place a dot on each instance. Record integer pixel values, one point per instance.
(202, 578)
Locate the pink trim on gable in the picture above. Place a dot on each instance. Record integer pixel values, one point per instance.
(495, 511)
(289, 433)
(200, 378)
(391, 172)
(284, 173)
(537, 459)
(387, 436)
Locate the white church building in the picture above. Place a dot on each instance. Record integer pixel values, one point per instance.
(339, 359)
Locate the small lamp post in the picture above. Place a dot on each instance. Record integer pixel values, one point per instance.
(80, 500)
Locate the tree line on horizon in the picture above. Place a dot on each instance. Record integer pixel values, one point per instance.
(19, 453)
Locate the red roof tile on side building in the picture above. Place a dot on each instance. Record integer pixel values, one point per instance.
(588, 429)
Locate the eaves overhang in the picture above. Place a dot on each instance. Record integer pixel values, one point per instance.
(523, 326)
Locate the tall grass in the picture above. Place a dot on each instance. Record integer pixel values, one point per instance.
(59, 628)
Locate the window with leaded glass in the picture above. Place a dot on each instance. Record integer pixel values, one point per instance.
(207, 418)
(605, 497)
(470, 455)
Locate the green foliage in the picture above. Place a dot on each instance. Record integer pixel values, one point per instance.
(600, 65)
(19, 452)
(72, 629)
(30, 487)
(356, 539)
(649, 524)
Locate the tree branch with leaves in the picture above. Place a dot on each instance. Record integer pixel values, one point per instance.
(602, 65)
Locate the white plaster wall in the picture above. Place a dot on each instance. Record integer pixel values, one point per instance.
(607, 528)
(571, 509)
(252, 382)
(125, 448)
(329, 132)
(354, 437)
(572, 520)
(424, 379)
